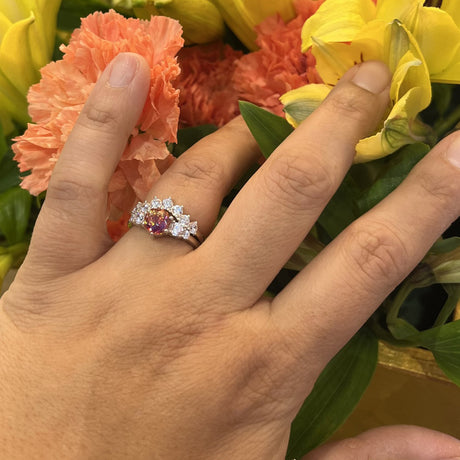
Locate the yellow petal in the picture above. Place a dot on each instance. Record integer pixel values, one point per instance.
(337, 21)
(438, 37)
(408, 66)
(15, 55)
(200, 19)
(452, 7)
(410, 92)
(404, 10)
(301, 102)
(43, 32)
(451, 74)
(243, 15)
(334, 59)
(5, 24)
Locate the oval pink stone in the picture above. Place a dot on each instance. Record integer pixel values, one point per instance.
(157, 222)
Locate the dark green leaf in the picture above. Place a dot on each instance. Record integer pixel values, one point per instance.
(341, 210)
(335, 394)
(9, 172)
(443, 246)
(15, 206)
(402, 329)
(399, 166)
(186, 137)
(268, 129)
(442, 97)
(444, 342)
(3, 144)
(72, 11)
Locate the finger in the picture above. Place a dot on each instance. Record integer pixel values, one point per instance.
(200, 179)
(282, 201)
(362, 266)
(71, 228)
(391, 443)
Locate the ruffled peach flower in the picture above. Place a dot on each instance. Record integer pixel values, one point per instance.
(279, 65)
(207, 94)
(56, 101)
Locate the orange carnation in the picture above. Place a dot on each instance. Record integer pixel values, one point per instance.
(56, 101)
(279, 65)
(207, 94)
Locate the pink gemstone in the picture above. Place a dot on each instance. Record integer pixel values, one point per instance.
(157, 221)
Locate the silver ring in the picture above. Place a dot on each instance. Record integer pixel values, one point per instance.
(164, 218)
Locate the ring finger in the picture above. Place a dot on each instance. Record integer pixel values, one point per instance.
(200, 179)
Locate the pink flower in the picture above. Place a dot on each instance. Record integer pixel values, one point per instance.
(263, 76)
(56, 101)
(207, 94)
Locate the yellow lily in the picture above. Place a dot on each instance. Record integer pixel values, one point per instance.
(409, 37)
(243, 15)
(27, 31)
(200, 19)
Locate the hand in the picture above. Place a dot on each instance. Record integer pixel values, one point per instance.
(149, 349)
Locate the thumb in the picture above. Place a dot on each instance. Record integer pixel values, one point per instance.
(391, 443)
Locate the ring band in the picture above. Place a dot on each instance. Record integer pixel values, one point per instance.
(164, 218)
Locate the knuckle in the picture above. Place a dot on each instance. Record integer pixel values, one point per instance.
(99, 117)
(297, 181)
(377, 252)
(441, 190)
(352, 102)
(67, 190)
(199, 171)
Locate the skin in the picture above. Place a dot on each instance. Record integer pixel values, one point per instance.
(147, 349)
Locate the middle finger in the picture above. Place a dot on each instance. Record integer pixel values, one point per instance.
(283, 200)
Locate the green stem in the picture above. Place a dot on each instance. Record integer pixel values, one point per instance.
(443, 126)
(447, 309)
(401, 296)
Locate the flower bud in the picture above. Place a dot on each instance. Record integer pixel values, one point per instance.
(200, 19)
(243, 15)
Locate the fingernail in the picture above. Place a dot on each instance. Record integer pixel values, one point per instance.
(453, 152)
(373, 76)
(123, 69)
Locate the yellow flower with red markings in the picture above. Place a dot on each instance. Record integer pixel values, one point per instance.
(408, 36)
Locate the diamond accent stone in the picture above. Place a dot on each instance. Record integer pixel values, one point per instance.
(176, 229)
(139, 219)
(168, 204)
(193, 227)
(184, 219)
(156, 203)
(177, 210)
(186, 234)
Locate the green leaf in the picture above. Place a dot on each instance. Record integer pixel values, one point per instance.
(186, 137)
(3, 144)
(398, 167)
(402, 330)
(444, 342)
(306, 252)
(71, 12)
(9, 172)
(15, 207)
(443, 246)
(268, 129)
(335, 394)
(342, 209)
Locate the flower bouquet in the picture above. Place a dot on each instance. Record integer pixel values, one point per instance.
(273, 63)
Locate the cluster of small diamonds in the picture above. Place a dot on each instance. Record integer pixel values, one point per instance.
(180, 225)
